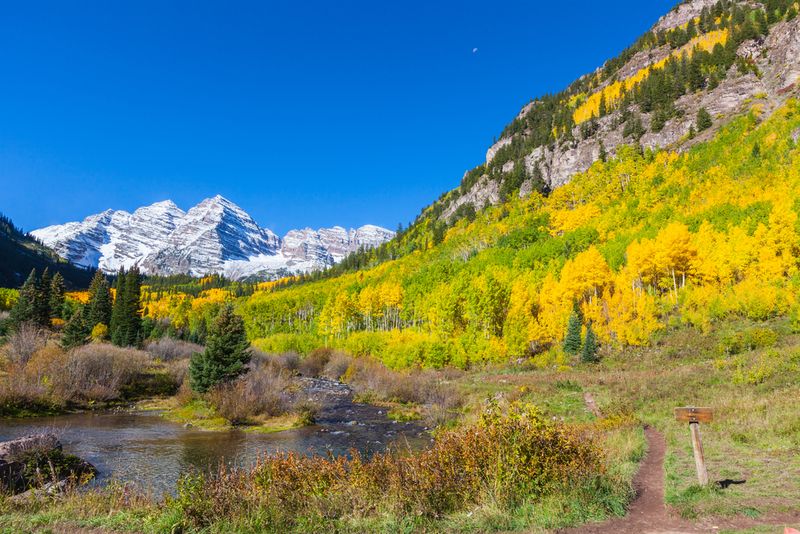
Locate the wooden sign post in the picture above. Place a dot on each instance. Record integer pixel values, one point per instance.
(695, 416)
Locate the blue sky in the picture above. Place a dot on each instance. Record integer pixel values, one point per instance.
(303, 113)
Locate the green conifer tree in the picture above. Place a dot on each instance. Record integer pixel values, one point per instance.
(76, 331)
(25, 309)
(133, 291)
(118, 326)
(572, 341)
(98, 309)
(43, 298)
(57, 297)
(226, 353)
(704, 121)
(589, 351)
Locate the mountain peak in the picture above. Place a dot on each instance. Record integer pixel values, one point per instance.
(215, 236)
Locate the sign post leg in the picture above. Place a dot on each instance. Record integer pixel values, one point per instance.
(699, 458)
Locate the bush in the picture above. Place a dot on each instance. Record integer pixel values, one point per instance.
(732, 343)
(313, 364)
(262, 391)
(167, 349)
(26, 339)
(511, 456)
(99, 372)
(337, 365)
(372, 380)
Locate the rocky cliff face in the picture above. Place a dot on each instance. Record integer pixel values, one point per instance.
(216, 236)
(777, 62)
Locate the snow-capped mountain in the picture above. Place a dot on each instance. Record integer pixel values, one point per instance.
(216, 236)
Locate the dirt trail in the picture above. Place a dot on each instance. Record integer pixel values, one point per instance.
(647, 512)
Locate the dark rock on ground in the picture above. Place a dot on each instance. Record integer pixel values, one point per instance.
(38, 460)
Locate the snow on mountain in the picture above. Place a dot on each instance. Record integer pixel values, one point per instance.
(216, 236)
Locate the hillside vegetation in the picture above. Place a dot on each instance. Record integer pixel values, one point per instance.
(642, 241)
(22, 253)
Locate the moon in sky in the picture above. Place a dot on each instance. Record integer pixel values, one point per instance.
(474, 50)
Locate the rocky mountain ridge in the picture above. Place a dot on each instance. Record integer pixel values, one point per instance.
(215, 236)
(766, 72)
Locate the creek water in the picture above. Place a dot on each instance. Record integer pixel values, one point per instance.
(145, 449)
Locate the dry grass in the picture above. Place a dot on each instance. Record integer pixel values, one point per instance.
(52, 379)
(506, 459)
(263, 391)
(23, 343)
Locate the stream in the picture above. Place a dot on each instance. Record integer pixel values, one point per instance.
(151, 452)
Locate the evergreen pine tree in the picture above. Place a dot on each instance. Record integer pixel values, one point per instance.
(589, 351)
(76, 331)
(756, 153)
(704, 121)
(133, 304)
(57, 297)
(118, 320)
(43, 298)
(98, 310)
(572, 341)
(225, 355)
(25, 308)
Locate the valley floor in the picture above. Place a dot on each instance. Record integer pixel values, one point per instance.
(747, 372)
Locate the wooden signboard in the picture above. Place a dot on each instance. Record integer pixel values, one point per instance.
(692, 414)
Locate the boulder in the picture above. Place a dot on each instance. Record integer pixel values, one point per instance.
(30, 460)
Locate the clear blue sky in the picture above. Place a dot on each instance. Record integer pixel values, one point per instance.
(304, 113)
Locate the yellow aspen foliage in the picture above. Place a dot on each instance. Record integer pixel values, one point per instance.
(78, 296)
(614, 91)
(570, 219)
(585, 277)
(633, 315)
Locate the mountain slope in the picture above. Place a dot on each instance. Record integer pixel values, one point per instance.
(716, 56)
(639, 243)
(667, 219)
(20, 254)
(216, 236)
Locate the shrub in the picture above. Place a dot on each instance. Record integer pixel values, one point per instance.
(99, 372)
(262, 391)
(167, 349)
(26, 339)
(337, 366)
(511, 456)
(732, 343)
(99, 332)
(315, 362)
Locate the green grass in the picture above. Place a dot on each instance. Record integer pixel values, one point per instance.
(755, 437)
(756, 432)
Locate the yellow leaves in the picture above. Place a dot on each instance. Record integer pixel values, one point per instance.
(566, 220)
(585, 276)
(79, 296)
(665, 262)
(633, 315)
(613, 92)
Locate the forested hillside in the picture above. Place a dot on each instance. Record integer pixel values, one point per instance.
(643, 240)
(699, 66)
(21, 253)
